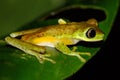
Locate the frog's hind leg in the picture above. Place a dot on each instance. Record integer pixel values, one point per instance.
(37, 51)
(20, 33)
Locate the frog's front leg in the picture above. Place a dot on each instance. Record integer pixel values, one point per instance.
(20, 33)
(64, 49)
(37, 51)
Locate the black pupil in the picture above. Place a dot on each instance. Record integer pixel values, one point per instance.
(91, 33)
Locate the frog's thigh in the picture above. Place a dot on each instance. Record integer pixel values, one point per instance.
(24, 45)
(20, 33)
(29, 48)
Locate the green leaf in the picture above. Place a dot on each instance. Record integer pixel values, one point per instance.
(17, 15)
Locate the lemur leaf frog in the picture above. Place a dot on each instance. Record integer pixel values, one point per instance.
(56, 36)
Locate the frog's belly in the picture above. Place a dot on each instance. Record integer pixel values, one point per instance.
(49, 44)
(52, 41)
(45, 41)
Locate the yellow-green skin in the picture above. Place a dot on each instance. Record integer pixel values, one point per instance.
(57, 36)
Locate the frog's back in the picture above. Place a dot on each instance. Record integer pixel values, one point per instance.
(54, 31)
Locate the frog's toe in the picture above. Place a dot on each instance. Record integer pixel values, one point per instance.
(85, 53)
(43, 58)
(74, 48)
(50, 60)
(77, 54)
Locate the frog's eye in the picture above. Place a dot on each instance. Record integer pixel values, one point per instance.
(91, 33)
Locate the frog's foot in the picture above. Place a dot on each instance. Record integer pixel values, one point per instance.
(78, 55)
(41, 57)
(65, 50)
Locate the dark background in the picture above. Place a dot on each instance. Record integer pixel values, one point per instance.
(104, 65)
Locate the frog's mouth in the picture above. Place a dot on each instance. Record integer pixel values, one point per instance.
(95, 39)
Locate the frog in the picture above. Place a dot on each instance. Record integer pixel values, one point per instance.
(58, 36)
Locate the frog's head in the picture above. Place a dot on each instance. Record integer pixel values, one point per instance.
(89, 31)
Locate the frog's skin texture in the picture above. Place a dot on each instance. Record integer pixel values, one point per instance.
(56, 36)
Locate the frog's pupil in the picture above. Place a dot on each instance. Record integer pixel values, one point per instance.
(91, 33)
